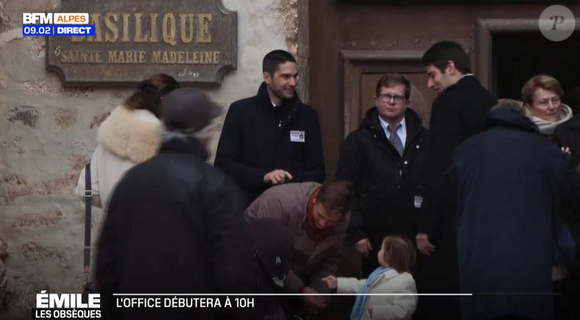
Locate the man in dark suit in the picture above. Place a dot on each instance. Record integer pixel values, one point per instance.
(456, 114)
(383, 159)
(272, 137)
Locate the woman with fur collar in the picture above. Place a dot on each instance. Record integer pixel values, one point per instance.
(130, 135)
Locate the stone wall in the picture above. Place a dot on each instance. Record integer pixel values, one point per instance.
(48, 132)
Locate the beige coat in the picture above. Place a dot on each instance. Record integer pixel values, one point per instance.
(125, 138)
(288, 203)
(385, 307)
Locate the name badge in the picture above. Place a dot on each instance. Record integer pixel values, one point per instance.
(418, 201)
(297, 136)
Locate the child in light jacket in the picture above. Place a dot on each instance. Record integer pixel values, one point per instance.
(393, 279)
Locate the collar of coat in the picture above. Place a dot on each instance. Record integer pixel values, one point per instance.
(388, 275)
(509, 117)
(412, 121)
(574, 123)
(131, 134)
(265, 97)
(185, 146)
(465, 81)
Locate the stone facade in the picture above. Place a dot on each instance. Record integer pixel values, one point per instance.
(48, 133)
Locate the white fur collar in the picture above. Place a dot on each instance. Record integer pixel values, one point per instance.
(133, 135)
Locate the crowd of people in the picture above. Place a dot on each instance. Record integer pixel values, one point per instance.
(485, 202)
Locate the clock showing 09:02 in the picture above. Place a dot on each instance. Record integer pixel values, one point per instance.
(36, 30)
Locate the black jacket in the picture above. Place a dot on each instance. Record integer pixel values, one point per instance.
(384, 183)
(567, 134)
(456, 114)
(256, 140)
(175, 225)
(511, 185)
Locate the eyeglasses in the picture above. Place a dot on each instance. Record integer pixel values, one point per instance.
(546, 102)
(387, 98)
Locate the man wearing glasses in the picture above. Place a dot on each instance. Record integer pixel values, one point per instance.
(383, 160)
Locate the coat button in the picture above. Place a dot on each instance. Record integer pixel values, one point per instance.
(417, 146)
(375, 136)
(406, 162)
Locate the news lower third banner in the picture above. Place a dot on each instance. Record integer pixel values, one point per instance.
(35, 30)
(77, 306)
(74, 306)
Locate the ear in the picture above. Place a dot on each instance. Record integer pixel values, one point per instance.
(450, 69)
(267, 77)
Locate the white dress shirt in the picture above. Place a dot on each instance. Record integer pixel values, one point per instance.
(401, 132)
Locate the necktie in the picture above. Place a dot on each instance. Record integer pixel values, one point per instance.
(394, 138)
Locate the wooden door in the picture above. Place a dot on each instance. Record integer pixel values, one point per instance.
(362, 71)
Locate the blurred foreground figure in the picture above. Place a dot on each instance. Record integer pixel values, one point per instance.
(511, 185)
(175, 224)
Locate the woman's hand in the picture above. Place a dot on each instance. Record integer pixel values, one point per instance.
(566, 150)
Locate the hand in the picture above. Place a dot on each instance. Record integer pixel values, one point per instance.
(363, 247)
(277, 176)
(566, 150)
(423, 244)
(313, 304)
(330, 281)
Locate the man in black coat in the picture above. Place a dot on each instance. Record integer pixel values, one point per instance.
(175, 224)
(383, 159)
(456, 114)
(273, 137)
(511, 185)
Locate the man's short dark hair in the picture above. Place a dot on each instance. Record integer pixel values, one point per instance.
(274, 59)
(336, 197)
(442, 52)
(390, 79)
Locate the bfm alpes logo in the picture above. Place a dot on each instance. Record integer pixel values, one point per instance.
(67, 306)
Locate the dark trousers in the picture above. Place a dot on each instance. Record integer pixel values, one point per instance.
(371, 262)
(566, 304)
(439, 273)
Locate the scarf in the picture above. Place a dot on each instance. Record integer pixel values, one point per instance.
(361, 299)
(547, 127)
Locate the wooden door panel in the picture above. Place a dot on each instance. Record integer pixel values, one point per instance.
(362, 71)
